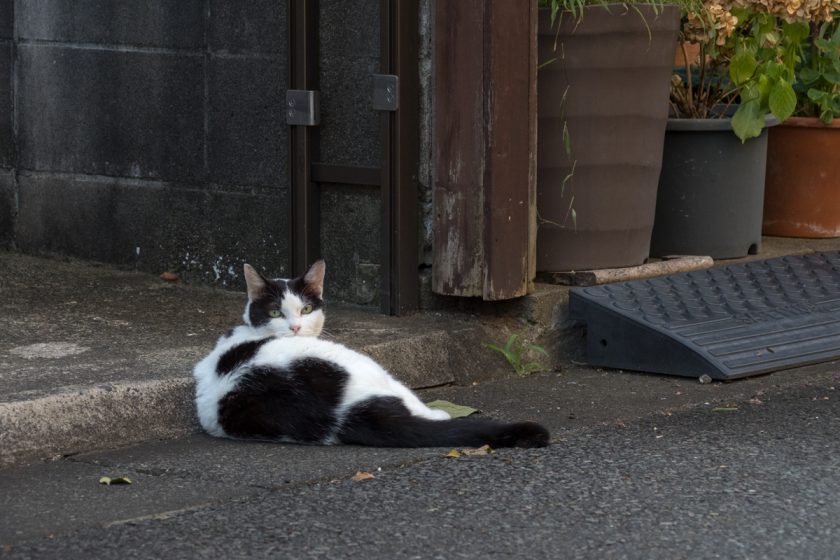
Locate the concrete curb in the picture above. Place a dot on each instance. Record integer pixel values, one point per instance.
(108, 415)
(72, 420)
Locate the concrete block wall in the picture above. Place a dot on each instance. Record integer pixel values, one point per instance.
(7, 145)
(149, 134)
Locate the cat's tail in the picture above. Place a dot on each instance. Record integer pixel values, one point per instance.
(385, 422)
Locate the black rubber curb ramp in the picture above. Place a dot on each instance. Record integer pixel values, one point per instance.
(726, 322)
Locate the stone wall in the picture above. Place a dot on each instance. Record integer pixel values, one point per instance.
(148, 134)
(8, 196)
(152, 135)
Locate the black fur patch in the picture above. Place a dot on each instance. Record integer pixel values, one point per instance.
(299, 288)
(298, 402)
(238, 355)
(272, 298)
(386, 422)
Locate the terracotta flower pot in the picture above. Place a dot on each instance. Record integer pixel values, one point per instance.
(802, 194)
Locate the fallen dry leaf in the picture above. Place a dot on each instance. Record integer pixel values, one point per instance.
(170, 277)
(483, 450)
(362, 475)
(454, 454)
(755, 400)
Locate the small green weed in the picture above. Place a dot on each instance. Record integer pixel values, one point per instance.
(514, 352)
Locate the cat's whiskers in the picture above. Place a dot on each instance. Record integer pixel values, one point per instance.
(326, 334)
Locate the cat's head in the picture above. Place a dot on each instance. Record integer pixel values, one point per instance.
(286, 307)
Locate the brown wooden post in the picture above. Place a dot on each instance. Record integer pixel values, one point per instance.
(484, 136)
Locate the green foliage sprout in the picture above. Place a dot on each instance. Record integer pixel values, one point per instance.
(514, 352)
(818, 86)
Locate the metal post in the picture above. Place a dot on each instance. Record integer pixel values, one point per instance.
(304, 226)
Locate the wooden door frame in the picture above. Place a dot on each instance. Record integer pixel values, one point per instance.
(396, 179)
(304, 195)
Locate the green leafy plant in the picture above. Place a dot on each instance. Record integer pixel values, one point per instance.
(818, 73)
(762, 71)
(748, 57)
(514, 352)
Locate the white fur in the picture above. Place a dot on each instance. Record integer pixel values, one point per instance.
(210, 387)
(292, 306)
(310, 325)
(366, 378)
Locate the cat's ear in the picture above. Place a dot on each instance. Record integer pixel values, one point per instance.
(314, 279)
(255, 282)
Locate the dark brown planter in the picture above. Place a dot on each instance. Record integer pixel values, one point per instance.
(609, 84)
(802, 193)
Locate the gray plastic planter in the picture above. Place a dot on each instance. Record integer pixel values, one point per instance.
(711, 191)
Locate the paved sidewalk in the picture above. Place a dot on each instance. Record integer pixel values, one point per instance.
(93, 357)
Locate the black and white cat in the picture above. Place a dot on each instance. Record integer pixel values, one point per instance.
(272, 378)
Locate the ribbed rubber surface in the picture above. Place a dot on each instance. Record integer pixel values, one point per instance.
(726, 322)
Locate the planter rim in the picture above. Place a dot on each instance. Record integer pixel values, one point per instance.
(605, 12)
(710, 125)
(624, 6)
(811, 122)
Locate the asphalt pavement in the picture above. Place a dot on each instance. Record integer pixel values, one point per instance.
(744, 475)
(94, 382)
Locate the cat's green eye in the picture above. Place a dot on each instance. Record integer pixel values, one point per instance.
(307, 309)
(275, 313)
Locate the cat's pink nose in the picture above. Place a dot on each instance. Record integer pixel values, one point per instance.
(295, 328)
